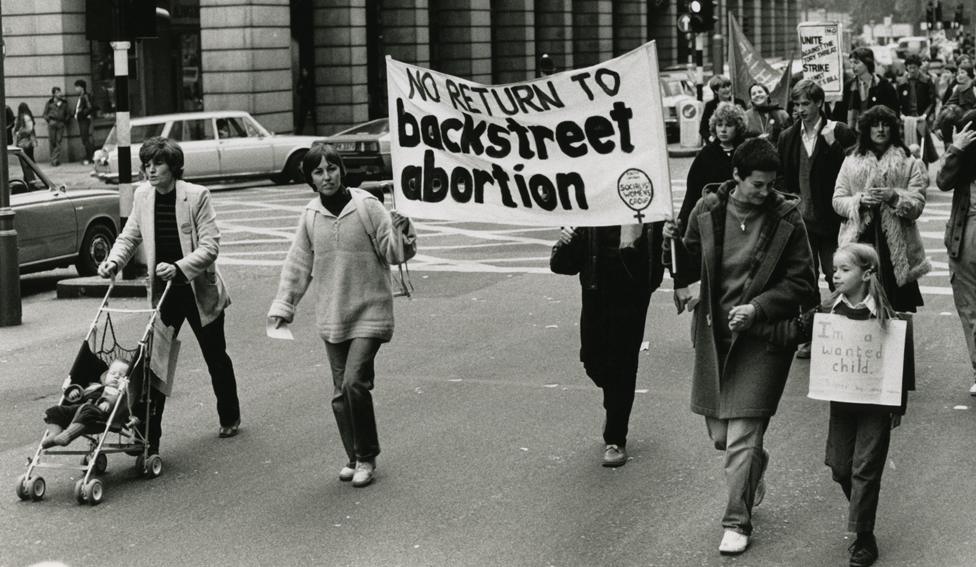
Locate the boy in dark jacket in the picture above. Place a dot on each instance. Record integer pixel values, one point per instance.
(57, 116)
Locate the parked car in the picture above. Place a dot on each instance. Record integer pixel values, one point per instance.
(217, 145)
(57, 226)
(365, 150)
(673, 90)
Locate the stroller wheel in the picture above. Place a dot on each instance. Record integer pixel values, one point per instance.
(22, 491)
(80, 491)
(93, 492)
(140, 465)
(37, 488)
(101, 463)
(154, 466)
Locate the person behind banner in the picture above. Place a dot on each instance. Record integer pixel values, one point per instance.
(866, 89)
(765, 119)
(750, 245)
(346, 241)
(880, 193)
(721, 92)
(811, 152)
(713, 164)
(858, 435)
(619, 268)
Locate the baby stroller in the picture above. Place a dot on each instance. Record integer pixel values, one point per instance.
(120, 432)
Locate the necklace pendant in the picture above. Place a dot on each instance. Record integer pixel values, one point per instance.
(742, 226)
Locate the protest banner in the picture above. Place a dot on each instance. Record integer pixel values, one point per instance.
(747, 66)
(822, 58)
(584, 147)
(857, 361)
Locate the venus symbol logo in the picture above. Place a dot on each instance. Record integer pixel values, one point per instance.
(635, 189)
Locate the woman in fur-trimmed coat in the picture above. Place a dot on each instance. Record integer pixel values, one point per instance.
(880, 193)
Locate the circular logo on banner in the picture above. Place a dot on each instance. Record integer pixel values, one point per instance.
(635, 189)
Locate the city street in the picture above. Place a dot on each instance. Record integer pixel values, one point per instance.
(490, 430)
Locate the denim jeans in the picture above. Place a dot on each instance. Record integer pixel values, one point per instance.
(352, 403)
(742, 441)
(857, 450)
(180, 306)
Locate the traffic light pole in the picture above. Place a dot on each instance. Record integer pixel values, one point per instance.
(10, 305)
(700, 63)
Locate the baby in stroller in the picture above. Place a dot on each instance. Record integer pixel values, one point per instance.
(83, 408)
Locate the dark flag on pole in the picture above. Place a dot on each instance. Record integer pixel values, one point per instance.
(747, 66)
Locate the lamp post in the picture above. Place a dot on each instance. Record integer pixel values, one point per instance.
(10, 308)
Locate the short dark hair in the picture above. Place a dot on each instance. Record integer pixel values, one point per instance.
(313, 157)
(82, 83)
(879, 114)
(808, 88)
(913, 59)
(55, 90)
(755, 154)
(165, 150)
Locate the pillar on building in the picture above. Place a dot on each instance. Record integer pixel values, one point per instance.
(46, 47)
(554, 31)
(246, 59)
(592, 31)
(463, 43)
(629, 25)
(406, 31)
(341, 79)
(513, 41)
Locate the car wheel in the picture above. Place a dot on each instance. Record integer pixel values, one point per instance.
(293, 170)
(94, 249)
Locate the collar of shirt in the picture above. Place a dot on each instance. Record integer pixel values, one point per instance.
(811, 133)
(867, 302)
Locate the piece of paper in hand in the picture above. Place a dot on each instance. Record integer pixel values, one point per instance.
(282, 332)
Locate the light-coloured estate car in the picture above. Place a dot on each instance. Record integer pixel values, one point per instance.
(226, 144)
(57, 226)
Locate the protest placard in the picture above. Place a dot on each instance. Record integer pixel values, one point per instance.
(857, 361)
(584, 147)
(822, 58)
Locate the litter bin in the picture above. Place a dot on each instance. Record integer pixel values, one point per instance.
(689, 115)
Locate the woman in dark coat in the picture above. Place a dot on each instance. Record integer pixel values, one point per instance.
(756, 272)
(765, 119)
(619, 268)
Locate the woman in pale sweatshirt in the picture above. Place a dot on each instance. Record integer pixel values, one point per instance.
(346, 241)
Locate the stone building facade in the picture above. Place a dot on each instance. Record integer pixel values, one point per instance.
(247, 54)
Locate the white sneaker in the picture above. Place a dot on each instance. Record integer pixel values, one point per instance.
(972, 390)
(733, 543)
(347, 472)
(364, 474)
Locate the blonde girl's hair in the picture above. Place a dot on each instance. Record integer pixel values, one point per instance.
(864, 256)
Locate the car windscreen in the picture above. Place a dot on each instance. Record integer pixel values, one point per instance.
(139, 133)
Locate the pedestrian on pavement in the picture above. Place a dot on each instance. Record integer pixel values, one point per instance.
(958, 174)
(811, 152)
(765, 119)
(11, 119)
(57, 116)
(964, 93)
(346, 241)
(84, 108)
(755, 269)
(880, 193)
(713, 164)
(177, 227)
(964, 65)
(867, 89)
(24, 136)
(858, 435)
(917, 99)
(721, 92)
(619, 267)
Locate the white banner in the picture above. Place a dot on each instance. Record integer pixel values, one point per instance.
(857, 361)
(822, 58)
(579, 148)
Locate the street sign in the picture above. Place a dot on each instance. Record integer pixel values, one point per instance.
(684, 23)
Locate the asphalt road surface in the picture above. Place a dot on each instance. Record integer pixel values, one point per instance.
(490, 431)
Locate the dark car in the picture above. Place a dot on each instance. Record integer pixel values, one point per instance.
(56, 226)
(365, 150)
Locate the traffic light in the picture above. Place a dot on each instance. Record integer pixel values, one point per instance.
(703, 15)
(958, 18)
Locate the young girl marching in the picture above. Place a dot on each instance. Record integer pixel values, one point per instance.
(858, 436)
